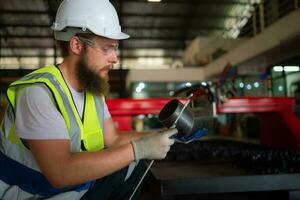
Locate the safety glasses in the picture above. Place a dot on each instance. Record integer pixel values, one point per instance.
(104, 49)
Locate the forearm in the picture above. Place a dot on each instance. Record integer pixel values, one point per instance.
(66, 168)
(97, 164)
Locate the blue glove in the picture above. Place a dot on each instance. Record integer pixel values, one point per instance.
(187, 139)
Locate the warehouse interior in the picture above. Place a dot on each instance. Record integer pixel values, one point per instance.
(240, 60)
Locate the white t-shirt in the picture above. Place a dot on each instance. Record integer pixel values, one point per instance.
(37, 116)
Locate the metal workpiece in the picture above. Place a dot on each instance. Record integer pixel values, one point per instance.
(176, 114)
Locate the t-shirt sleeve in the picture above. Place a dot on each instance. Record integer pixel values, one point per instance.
(106, 112)
(37, 116)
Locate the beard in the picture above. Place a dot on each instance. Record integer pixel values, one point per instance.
(89, 80)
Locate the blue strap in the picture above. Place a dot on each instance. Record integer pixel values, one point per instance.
(31, 181)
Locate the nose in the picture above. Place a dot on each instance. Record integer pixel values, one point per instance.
(113, 58)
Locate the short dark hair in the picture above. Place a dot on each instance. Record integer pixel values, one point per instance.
(89, 36)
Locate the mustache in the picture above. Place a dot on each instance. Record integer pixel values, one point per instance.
(107, 67)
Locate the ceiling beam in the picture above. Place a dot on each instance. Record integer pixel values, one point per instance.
(26, 56)
(161, 46)
(193, 13)
(172, 15)
(50, 11)
(29, 46)
(25, 12)
(164, 15)
(20, 25)
(172, 28)
(124, 56)
(166, 37)
(136, 47)
(201, 2)
(12, 36)
(13, 73)
(134, 27)
(151, 56)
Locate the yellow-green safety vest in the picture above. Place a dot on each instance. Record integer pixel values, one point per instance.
(89, 129)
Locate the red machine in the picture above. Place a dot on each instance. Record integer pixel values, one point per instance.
(278, 124)
(122, 110)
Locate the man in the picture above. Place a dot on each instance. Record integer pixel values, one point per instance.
(57, 139)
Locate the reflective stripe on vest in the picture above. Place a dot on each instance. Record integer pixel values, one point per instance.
(90, 129)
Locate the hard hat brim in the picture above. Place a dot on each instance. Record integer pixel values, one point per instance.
(120, 36)
(70, 32)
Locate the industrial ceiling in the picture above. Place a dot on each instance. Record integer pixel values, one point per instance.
(159, 31)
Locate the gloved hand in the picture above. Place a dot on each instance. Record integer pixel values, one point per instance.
(153, 145)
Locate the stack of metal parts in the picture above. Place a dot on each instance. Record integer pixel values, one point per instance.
(250, 157)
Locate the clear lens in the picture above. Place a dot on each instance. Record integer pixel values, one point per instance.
(106, 50)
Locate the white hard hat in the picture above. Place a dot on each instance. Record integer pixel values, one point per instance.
(93, 16)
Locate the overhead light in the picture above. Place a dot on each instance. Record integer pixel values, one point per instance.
(256, 84)
(188, 84)
(248, 86)
(234, 26)
(278, 68)
(154, 0)
(204, 83)
(140, 87)
(255, 1)
(235, 33)
(286, 68)
(291, 68)
(243, 22)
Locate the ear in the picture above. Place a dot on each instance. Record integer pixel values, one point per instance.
(75, 45)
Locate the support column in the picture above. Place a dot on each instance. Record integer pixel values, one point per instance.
(254, 23)
(261, 16)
